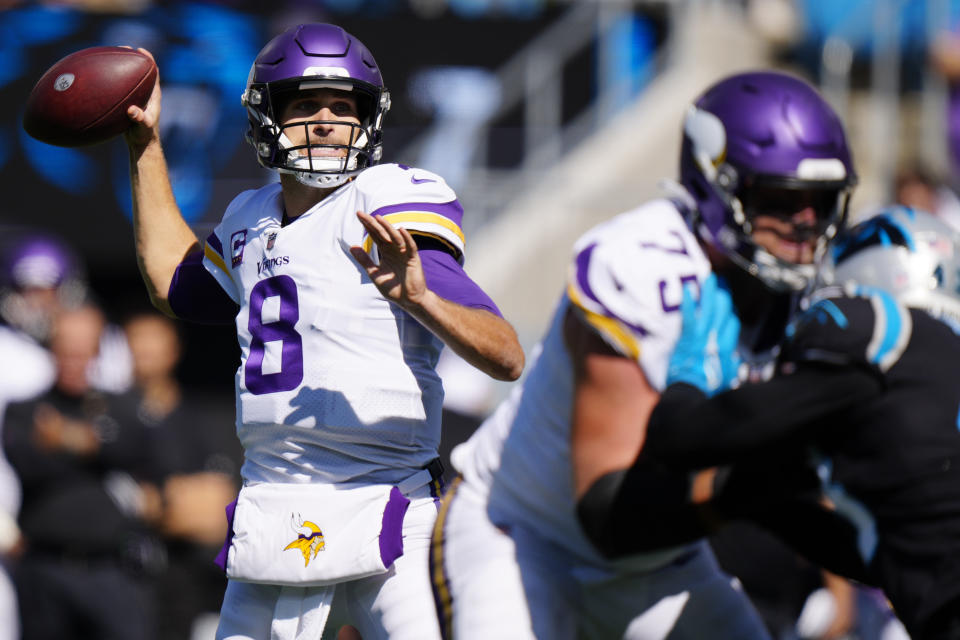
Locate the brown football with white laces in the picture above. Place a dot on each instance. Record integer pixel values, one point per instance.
(83, 98)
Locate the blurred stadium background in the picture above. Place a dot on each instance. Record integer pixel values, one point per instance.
(545, 115)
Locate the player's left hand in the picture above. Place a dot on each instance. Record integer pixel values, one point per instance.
(399, 276)
(705, 354)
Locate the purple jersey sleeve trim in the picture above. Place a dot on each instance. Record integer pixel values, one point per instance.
(446, 278)
(221, 559)
(451, 210)
(391, 530)
(196, 296)
(582, 270)
(214, 242)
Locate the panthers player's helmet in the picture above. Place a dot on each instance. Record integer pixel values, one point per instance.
(41, 274)
(763, 130)
(910, 253)
(314, 56)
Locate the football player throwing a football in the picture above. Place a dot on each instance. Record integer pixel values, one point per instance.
(765, 172)
(344, 280)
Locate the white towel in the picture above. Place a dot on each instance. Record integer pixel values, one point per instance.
(315, 535)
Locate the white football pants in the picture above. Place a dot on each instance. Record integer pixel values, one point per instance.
(396, 605)
(490, 583)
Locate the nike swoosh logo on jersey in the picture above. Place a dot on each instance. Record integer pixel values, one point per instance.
(416, 180)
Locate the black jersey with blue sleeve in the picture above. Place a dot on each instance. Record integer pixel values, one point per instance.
(871, 390)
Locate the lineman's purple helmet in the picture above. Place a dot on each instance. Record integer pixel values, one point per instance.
(763, 129)
(314, 56)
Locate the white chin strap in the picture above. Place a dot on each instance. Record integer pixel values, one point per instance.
(328, 171)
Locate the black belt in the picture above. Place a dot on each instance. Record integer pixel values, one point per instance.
(435, 467)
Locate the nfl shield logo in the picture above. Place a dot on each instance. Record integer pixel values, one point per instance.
(271, 240)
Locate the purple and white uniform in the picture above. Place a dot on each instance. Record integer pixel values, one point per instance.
(336, 385)
(538, 575)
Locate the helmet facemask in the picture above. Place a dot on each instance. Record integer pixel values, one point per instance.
(320, 165)
(771, 209)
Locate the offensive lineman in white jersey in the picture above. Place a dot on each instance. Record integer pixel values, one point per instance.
(521, 548)
(344, 281)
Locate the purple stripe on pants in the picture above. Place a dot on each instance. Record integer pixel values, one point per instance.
(221, 559)
(391, 531)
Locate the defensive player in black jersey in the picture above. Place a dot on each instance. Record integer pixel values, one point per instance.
(865, 401)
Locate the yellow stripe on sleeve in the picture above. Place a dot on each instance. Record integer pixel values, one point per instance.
(426, 216)
(211, 254)
(612, 329)
(397, 219)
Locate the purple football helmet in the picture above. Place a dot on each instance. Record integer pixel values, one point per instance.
(763, 130)
(315, 56)
(36, 263)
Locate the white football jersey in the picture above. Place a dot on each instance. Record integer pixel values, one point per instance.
(335, 383)
(626, 280)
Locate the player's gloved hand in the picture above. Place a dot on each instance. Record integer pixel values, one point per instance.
(705, 354)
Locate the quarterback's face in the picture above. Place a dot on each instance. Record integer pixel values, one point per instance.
(787, 222)
(321, 108)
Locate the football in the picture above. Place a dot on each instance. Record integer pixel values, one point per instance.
(83, 98)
